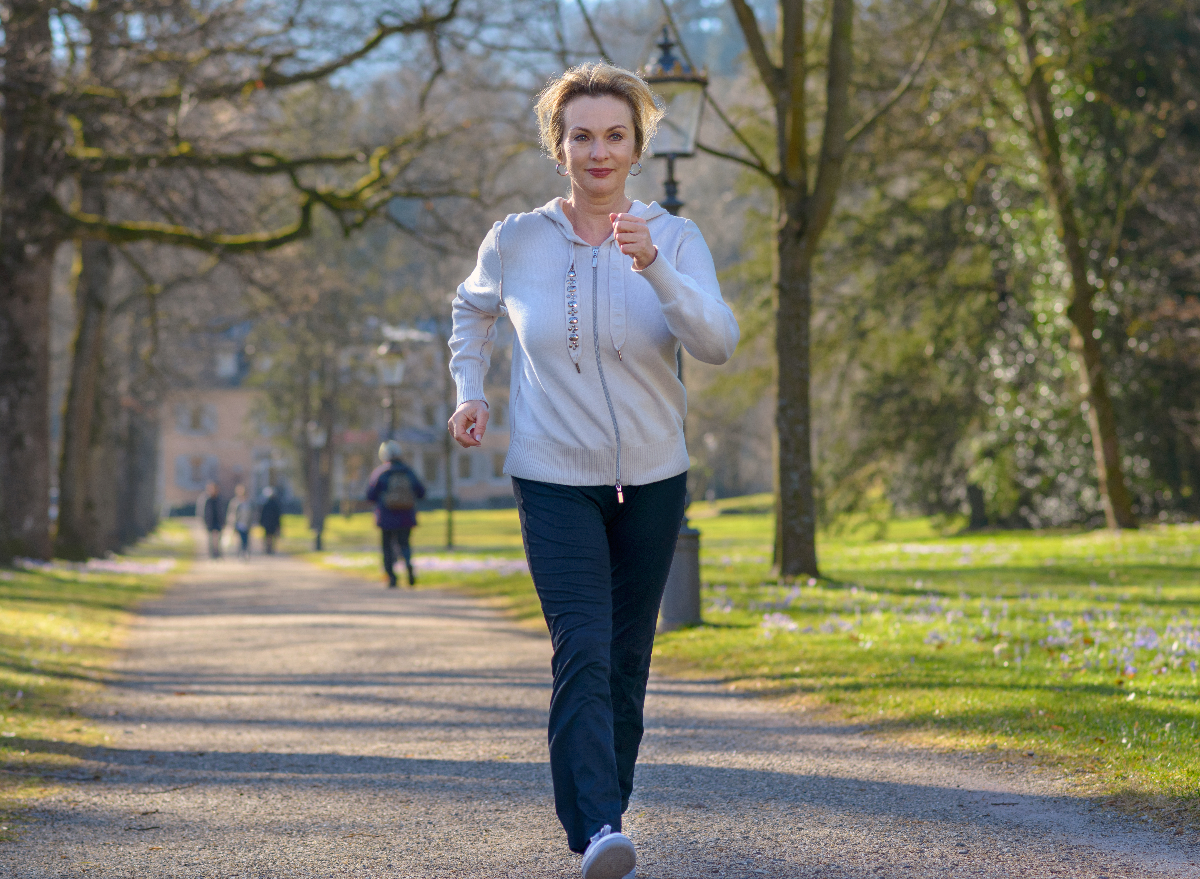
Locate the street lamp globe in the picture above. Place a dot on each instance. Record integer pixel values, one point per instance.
(682, 91)
(390, 364)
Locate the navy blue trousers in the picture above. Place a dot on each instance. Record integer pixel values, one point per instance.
(599, 568)
(394, 539)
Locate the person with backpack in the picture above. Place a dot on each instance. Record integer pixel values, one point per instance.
(395, 490)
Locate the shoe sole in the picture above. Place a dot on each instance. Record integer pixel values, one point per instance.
(616, 860)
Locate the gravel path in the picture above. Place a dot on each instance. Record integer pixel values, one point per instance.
(275, 720)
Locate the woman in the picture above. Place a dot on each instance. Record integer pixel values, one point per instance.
(238, 517)
(600, 290)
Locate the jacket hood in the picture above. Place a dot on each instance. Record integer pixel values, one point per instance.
(553, 210)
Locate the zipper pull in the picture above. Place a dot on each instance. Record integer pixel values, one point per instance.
(619, 357)
(620, 494)
(595, 256)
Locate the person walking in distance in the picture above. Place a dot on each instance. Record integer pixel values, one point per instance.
(601, 291)
(214, 519)
(239, 517)
(395, 490)
(270, 517)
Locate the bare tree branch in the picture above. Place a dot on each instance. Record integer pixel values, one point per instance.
(269, 77)
(587, 19)
(250, 161)
(837, 116)
(901, 87)
(759, 164)
(767, 71)
(755, 166)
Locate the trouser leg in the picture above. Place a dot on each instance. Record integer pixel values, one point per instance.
(641, 544)
(388, 539)
(567, 548)
(402, 538)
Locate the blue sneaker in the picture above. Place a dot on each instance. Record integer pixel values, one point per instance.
(609, 856)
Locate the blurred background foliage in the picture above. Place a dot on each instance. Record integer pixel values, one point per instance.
(943, 379)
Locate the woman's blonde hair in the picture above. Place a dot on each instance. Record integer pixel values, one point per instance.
(596, 80)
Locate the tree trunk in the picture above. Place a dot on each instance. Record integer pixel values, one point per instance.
(138, 511)
(78, 532)
(1118, 505)
(321, 471)
(978, 507)
(27, 245)
(796, 552)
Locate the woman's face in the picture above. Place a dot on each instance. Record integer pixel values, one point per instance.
(598, 145)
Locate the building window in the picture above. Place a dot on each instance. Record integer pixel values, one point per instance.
(197, 419)
(431, 415)
(227, 364)
(429, 467)
(464, 466)
(497, 419)
(194, 472)
(497, 465)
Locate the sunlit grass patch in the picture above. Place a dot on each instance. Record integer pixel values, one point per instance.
(488, 557)
(61, 625)
(492, 531)
(1075, 648)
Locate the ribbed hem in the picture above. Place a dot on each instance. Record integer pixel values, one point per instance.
(547, 461)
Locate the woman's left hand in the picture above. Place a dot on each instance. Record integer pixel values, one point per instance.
(633, 237)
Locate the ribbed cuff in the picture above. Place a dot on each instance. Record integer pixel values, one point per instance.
(469, 389)
(661, 277)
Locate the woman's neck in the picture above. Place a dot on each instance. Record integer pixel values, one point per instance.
(590, 219)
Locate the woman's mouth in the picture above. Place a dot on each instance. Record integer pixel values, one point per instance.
(599, 172)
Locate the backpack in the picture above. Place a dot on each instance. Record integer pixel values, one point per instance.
(398, 495)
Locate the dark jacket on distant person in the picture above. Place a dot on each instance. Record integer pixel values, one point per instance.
(214, 513)
(271, 515)
(393, 520)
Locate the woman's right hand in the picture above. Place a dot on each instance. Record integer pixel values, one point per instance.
(468, 423)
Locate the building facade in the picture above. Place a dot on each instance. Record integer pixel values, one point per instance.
(210, 435)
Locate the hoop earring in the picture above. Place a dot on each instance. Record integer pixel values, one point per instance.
(633, 173)
(558, 170)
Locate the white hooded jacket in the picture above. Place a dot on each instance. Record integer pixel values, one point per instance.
(596, 401)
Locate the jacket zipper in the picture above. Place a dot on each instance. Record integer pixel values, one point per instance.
(600, 367)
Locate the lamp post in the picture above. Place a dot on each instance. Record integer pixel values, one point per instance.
(390, 364)
(317, 435)
(682, 90)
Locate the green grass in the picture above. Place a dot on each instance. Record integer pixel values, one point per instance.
(1077, 649)
(60, 628)
(492, 531)
(1073, 648)
(486, 544)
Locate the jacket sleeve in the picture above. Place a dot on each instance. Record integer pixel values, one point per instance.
(475, 310)
(691, 299)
